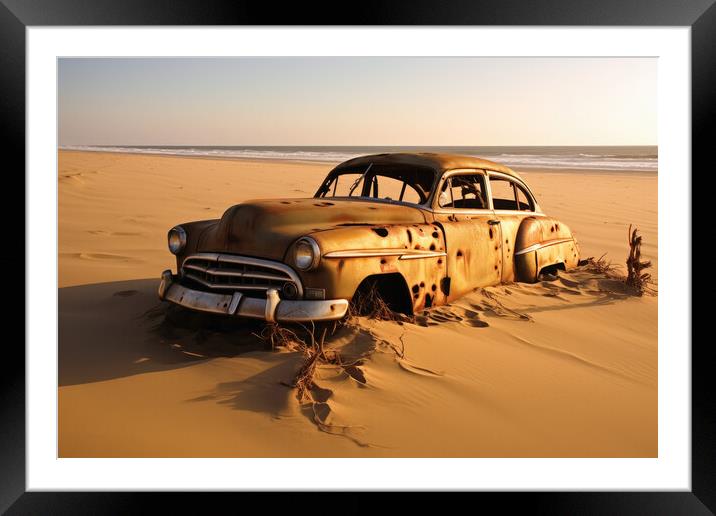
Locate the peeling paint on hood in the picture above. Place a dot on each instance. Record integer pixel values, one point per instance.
(265, 228)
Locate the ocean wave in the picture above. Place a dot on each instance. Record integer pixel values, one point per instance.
(547, 160)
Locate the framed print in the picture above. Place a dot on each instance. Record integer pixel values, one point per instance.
(438, 250)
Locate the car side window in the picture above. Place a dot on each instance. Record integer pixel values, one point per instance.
(396, 190)
(524, 201)
(504, 196)
(465, 192)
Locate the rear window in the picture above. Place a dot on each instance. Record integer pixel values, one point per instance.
(509, 195)
(503, 194)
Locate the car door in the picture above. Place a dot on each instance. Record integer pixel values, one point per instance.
(511, 203)
(474, 255)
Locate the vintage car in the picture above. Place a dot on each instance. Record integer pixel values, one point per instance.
(421, 229)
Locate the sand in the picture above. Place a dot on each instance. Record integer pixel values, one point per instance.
(562, 368)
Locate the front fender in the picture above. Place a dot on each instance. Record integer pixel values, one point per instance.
(352, 253)
(195, 232)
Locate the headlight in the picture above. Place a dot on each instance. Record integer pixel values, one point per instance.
(177, 239)
(307, 254)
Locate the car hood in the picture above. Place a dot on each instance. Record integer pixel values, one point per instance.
(266, 228)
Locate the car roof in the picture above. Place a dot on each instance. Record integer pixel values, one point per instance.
(438, 162)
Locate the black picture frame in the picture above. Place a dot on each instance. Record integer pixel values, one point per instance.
(17, 15)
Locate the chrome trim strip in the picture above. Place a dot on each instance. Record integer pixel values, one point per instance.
(404, 254)
(540, 245)
(428, 254)
(362, 253)
(212, 257)
(256, 275)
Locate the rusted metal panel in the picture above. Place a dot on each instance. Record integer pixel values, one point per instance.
(474, 258)
(413, 250)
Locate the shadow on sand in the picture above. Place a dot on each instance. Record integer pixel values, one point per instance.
(118, 329)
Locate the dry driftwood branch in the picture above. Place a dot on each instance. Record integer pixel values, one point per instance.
(636, 279)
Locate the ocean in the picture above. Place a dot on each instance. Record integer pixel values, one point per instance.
(616, 158)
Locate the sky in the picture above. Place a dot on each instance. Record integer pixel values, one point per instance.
(357, 101)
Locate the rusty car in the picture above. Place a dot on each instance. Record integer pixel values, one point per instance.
(422, 229)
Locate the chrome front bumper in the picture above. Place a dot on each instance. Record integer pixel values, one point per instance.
(270, 309)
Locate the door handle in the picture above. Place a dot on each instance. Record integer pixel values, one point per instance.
(493, 222)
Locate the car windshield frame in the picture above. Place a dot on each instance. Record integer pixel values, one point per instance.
(365, 181)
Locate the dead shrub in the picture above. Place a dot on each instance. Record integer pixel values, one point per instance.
(279, 337)
(303, 381)
(368, 302)
(636, 279)
(600, 265)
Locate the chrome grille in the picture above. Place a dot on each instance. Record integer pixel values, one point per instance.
(230, 272)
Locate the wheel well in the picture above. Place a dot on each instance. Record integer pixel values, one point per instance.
(391, 288)
(552, 269)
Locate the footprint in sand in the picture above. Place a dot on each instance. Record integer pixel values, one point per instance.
(356, 373)
(451, 313)
(320, 394)
(103, 257)
(102, 232)
(475, 323)
(126, 293)
(495, 307)
(321, 410)
(136, 219)
(73, 178)
(423, 320)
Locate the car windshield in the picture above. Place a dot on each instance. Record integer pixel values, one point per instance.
(404, 183)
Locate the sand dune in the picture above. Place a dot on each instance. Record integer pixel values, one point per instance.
(565, 367)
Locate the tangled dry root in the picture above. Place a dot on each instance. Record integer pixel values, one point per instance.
(369, 303)
(278, 336)
(600, 265)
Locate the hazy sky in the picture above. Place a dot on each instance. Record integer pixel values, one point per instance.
(357, 101)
